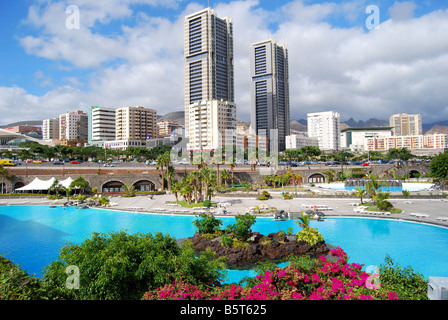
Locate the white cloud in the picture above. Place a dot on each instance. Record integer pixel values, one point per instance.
(401, 67)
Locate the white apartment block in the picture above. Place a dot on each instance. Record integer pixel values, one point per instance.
(295, 141)
(325, 126)
(418, 144)
(354, 139)
(404, 124)
(101, 124)
(209, 120)
(73, 127)
(50, 129)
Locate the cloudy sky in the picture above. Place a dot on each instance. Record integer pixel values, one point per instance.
(130, 52)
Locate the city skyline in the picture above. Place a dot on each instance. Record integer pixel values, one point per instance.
(131, 53)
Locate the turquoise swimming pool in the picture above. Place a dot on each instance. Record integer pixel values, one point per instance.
(32, 235)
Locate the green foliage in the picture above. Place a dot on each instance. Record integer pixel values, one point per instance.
(226, 240)
(264, 196)
(287, 196)
(384, 205)
(408, 284)
(17, 284)
(310, 235)
(207, 223)
(242, 226)
(439, 166)
(122, 266)
(303, 221)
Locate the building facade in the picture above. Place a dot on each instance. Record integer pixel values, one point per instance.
(135, 123)
(418, 144)
(50, 129)
(295, 141)
(209, 120)
(101, 125)
(166, 128)
(73, 128)
(208, 55)
(404, 124)
(270, 89)
(325, 126)
(354, 139)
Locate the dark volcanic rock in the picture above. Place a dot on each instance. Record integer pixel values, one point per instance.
(247, 256)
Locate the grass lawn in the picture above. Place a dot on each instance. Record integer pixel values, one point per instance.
(192, 205)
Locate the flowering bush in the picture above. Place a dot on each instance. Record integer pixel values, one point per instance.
(327, 279)
(310, 235)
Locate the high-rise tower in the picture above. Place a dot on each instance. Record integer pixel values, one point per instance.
(270, 89)
(208, 52)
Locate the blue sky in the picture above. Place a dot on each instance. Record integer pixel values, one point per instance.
(130, 52)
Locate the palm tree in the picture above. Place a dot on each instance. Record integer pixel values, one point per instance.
(303, 221)
(55, 186)
(80, 183)
(225, 175)
(373, 185)
(232, 165)
(360, 193)
(5, 174)
(175, 188)
(209, 180)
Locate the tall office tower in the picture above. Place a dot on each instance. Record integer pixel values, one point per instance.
(404, 124)
(208, 52)
(73, 128)
(209, 120)
(50, 129)
(135, 123)
(270, 89)
(101, 125)
(326, 127)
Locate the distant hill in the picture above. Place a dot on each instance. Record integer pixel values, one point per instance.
(372, 122)
(428, 126)
(297, 126)
(178, 116)
(438, 129)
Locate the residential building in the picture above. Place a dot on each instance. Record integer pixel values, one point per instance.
(209, 120)
(208, 53)
(166, 128)
(353, 139)
(404, 124)
(73, 128)
(270, 89)
(326, 127)
(101, 125)
(417, 144)
(296, 141)
(133, 126)
(135, 123)
(50, 129)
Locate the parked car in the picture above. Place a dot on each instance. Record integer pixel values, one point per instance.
(29, 161)
(37, 161)
(366, 164)
(75, 162)
(58, 162)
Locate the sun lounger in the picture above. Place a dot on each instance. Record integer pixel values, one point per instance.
(442, 218)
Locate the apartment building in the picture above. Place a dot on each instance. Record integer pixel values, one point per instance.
(270, 89)
(404, 124)
(73, 128)
(325, 126)
(208, 56)
(101, 125)
(417, 144)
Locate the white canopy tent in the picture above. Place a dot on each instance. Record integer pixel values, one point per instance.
(44, 185)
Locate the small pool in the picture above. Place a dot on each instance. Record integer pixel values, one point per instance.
(32, 235)
(415, 187)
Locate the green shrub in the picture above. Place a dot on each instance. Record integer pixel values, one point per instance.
(408, 284)
(310, 235)
(17, 284)
(287, 196)
(384, 205)
(242, 226)
(207, 223)
(122, 266)
(226, 241)
(264, 196)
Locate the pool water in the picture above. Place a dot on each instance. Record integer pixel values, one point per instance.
(32, 236)
(412, 187)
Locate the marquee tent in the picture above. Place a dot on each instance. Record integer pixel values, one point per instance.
(43, 185)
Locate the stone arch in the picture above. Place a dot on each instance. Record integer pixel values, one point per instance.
(415, 173)
(144, 185)
(316, 178)
(112, 186)
(18, 185)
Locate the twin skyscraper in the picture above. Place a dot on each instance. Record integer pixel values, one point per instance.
(210, 107)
